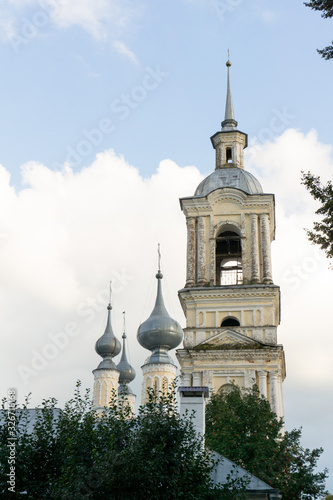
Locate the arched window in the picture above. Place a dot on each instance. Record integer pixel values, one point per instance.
(228, 260)
(230, 322)
(164, 385)
(229, 155)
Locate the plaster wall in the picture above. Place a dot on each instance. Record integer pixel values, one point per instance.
(159, 377)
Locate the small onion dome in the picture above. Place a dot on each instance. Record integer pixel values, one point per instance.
(159, 331)
(127, 372)
(108, 345)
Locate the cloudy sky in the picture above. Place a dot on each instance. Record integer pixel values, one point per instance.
(106, 110)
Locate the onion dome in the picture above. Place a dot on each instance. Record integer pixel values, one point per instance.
(127, 372)
(159, 333)
(108, 346)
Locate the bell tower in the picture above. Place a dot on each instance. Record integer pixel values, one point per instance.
(231, 305)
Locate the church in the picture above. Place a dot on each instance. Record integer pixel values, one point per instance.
(231, 305)
(229, 300)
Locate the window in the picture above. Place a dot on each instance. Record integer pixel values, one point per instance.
(229, 270)
(230, 322)
(229, 155)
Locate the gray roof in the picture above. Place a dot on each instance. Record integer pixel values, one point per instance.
(227, 468)
(29, 415)
(233, 177)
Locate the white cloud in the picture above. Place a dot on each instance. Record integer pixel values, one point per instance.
(125, 51)
(24, 20)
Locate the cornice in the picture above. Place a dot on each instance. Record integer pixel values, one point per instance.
(235, 291)
(273, 352)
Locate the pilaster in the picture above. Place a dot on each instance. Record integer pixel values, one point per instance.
(266, 248)
(254, 248)
(201, 252)
(263, 383)
(191, 251)
(275, 392)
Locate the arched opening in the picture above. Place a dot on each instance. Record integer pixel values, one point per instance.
(229, 155)
(230, 322)
(229, 270)
(227, 388)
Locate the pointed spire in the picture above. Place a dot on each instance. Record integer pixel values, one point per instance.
(159, 309)
(108, 345)
(127, 372)
(229, 117)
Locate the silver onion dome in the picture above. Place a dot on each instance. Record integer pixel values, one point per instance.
(108, 346)
(127, 372)
(159, 333)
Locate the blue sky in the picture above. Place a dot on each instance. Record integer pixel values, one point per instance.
(59, 80)
(107, 108)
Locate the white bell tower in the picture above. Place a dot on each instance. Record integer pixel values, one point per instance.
(231, 305)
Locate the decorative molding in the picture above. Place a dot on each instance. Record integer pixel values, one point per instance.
(228, 337)
(159, 367)
(226, 222)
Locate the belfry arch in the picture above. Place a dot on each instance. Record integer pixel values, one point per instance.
(228, 256)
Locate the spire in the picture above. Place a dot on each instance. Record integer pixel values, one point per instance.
(229, 118)
(108, 346)
(127, 372)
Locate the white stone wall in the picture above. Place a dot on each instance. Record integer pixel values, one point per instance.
(105, 387)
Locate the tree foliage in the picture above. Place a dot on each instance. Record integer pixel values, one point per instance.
(242, 427)
(322, 233)
(75, 453)
(326, 9)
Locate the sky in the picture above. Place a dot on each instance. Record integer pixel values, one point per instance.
(106, 112)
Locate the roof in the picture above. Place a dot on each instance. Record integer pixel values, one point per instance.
(229, 177)
(226, 467)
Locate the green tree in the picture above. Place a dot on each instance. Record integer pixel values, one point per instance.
(322, 233)
(326, 8)
(242, 427)
(75, 453)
